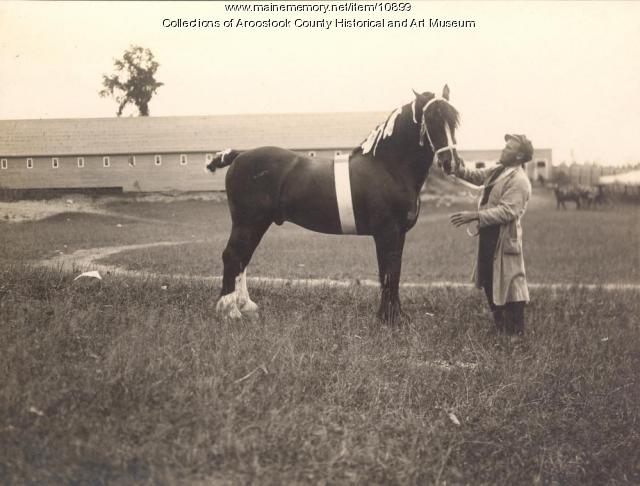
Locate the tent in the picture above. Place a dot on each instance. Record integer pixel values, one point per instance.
(625, 179)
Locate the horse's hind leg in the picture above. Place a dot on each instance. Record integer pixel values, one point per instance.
(245, 304)
(236, 256)
(227, 303)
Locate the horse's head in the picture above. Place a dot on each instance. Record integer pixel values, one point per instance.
(438, 122)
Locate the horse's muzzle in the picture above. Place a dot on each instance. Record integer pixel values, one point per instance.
(446, 160)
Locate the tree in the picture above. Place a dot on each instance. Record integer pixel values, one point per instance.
(133, 82)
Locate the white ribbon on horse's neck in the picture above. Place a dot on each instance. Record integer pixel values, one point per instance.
(424, 130)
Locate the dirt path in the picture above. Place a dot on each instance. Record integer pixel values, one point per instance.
(84, 260)
(21, 211)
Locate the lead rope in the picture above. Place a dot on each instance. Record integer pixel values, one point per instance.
(507, 173)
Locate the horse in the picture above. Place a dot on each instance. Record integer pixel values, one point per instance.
(374, 191)
(594, 197)
(567, 193)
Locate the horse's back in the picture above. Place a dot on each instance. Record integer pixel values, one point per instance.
(282, 185)
(261, 158)
(276, 183)
(253, 180)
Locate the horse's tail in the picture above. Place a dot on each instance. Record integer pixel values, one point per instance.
(223, 159)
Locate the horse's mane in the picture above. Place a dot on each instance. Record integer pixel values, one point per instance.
(382, 131)
(409, 114)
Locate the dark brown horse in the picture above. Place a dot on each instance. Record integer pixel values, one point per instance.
(568, 193)
(374, 192)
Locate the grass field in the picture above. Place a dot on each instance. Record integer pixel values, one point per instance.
(560, 246)
(124, 382)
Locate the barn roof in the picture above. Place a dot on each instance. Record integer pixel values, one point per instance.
(94, 136)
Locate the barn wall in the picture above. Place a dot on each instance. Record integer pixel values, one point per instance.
(144, 176)
(170, 175)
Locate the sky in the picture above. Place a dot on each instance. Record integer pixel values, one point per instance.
(567, 74)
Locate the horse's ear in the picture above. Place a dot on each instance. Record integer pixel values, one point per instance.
(445, 92)
(416, 93)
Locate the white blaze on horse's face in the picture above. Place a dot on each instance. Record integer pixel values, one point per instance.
(424, 131)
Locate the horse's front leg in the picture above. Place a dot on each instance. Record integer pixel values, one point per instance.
(389, 246)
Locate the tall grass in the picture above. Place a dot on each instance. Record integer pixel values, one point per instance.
(136, 381)
(123, 381)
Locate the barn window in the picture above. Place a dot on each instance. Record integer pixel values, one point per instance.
(3, 163)
(29, 163)
(312, 154)
(106, 162)
(55, 163)
(158, 159)
(132, 160)
(541, 164)
(183, 159)
(80, 162)
(480, 165)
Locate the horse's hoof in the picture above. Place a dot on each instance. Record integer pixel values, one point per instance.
(222, 306)
(234, 313)
(395, 319)
(249, 306)
(227, 307)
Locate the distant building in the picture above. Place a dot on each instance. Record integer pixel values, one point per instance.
(539, 166)
(587, 174)
(150, 154)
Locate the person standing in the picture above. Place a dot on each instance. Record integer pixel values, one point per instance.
(499, 268)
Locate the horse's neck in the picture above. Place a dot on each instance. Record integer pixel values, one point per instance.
(411, 165)
(397, 142)
(419, 164)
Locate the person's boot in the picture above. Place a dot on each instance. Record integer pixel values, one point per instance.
(498, 319)
(514, 322)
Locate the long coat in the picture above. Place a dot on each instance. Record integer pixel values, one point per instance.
(505, 207)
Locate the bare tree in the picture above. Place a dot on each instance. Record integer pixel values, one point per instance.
(133, 81)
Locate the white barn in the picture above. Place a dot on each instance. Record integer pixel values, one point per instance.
(150, 154)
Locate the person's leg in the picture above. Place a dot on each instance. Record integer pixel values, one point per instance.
(487, 243)
(497, 310)
(514, 318)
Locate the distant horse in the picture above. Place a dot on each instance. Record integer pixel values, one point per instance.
(567, 193)
(375, 192)
(593, 197)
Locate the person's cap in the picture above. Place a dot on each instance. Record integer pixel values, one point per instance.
(525, 145)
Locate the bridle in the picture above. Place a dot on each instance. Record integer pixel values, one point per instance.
(424, 131)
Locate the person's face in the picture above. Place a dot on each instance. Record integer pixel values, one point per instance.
(511, 153)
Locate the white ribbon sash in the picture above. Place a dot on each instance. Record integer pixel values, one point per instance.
(343, 194)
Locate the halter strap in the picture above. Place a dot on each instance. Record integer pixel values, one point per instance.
(424, 130)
